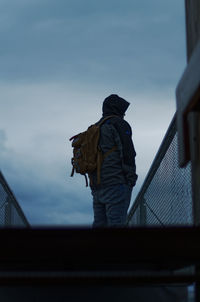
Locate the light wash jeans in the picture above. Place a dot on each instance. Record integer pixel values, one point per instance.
(110, 205)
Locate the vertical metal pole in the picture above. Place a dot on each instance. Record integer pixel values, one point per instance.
(197, 285)
(8, 212)
(194, 134)
(194, 131)
(192, 12)
(143, 213)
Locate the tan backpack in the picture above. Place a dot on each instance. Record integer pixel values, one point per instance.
(87, 156)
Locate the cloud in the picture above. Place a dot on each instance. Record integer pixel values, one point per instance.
(2, 140)
(107, 43)
(70, 218)
(45, 192)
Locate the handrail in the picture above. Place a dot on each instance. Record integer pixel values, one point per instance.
(165, 145)
(11, 200)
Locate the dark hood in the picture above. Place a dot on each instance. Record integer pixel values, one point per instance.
(113, 104)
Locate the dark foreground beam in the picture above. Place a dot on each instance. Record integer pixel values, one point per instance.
(84, 255)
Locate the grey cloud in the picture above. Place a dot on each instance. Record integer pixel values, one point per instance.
(2, 140)
(46, 198)
(102, 42)
(47, 203)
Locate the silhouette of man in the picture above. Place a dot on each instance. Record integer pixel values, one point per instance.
(111, 198)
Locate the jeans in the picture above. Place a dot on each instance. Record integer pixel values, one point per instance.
(110, 205)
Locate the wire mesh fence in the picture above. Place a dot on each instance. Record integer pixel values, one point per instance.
(11, 213)
(166, 195)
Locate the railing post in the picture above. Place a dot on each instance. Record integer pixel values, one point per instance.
(8, 212)
(194, 135)
(143, 213)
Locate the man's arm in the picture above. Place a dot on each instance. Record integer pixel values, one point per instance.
(128, 164)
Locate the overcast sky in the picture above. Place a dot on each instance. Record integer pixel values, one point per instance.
(58, 62)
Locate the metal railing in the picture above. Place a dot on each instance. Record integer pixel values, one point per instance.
(165, 197)
(11, 213)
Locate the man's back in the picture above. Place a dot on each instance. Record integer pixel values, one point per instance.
(112, 169)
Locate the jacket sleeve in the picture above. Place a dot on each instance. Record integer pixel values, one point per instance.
(128, 150)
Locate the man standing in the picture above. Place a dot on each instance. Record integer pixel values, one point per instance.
(111, 197)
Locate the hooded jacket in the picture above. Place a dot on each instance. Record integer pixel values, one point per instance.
(119, 166)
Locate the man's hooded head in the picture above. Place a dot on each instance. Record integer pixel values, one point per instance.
(114, 105)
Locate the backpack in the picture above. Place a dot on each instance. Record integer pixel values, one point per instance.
(87, 156)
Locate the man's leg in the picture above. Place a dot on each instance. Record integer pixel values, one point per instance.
(117, 205)
(99, 210)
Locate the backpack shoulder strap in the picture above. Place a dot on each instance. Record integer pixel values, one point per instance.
(105, 119)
